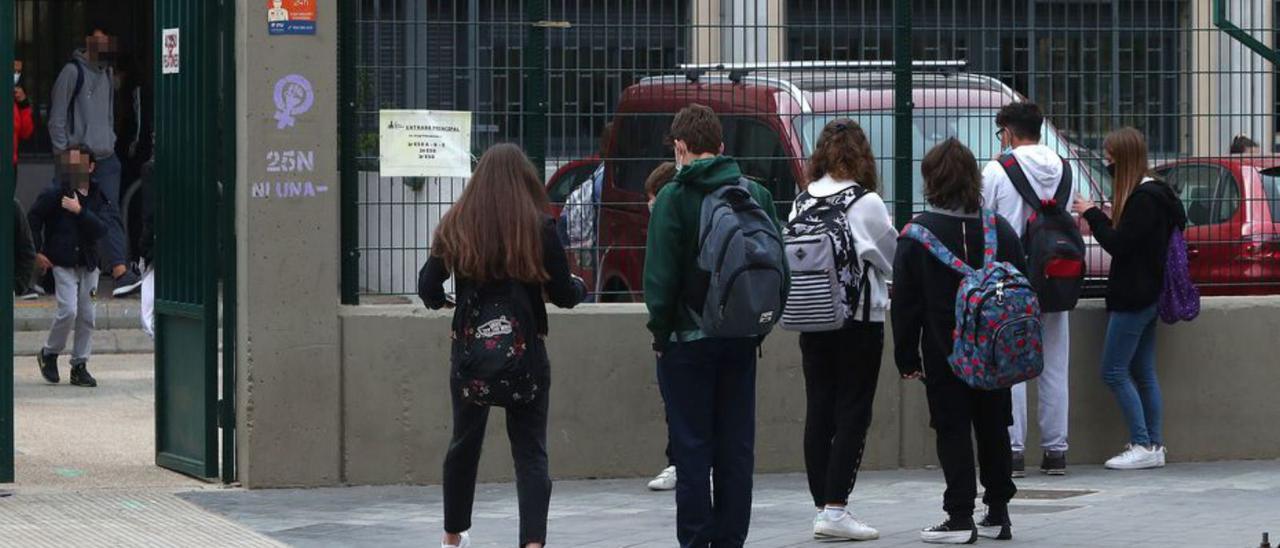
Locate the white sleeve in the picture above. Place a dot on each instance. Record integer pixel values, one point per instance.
(996, 187)
(874, 238)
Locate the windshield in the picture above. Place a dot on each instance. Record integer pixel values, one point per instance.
(974, 127)
(1271, 188)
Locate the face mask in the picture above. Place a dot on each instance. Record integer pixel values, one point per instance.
(16, 77)
(1111, 169)
(1006, 151)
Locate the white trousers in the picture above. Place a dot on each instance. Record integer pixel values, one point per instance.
(1053, 394)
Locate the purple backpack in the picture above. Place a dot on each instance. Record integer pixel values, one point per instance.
(997, 340)
(1180, 299)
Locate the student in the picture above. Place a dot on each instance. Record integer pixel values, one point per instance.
(1019, 130)
(923, 321)
(67, 222)
(658, 178)
(480, 250)
(841, 366)
(1244, 145)
(1145, 212)
(708, 383)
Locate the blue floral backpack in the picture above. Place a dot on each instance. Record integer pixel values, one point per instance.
(998, 334)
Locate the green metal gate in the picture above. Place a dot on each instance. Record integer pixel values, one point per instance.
(6, 261)
(194, 181)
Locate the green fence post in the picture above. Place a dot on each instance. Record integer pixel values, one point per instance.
(1224, 24)
(902, 107)
(6, 261)
(534, 120)
(348, 162)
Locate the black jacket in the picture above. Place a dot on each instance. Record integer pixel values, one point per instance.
(924, 290)
(563, 290)
(1139, 245)
(68, 240)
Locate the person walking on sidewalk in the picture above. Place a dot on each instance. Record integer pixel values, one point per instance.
(67, 222)
(658, 178)
(1017, 185)
(924, 297)
(1145, 212)
(840, 212)
(82, 113)
(502, 265)
(707, 352)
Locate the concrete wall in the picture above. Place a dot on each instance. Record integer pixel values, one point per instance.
(1218, 375)
(288, 383)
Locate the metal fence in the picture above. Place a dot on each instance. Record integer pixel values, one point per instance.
(551, 75)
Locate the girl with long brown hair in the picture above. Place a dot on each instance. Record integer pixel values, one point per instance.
(498, 235)
(1145, 211)
(841, 364)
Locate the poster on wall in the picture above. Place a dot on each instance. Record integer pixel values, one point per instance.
(285, 17)
(171, 57)
(424, 143)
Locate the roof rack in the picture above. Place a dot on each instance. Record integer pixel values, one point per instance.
(954, 65)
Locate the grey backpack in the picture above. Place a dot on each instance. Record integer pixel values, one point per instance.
(826, 278)
(741, 266)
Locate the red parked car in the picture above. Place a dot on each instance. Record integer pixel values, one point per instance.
(1233, 221)
(772, 118)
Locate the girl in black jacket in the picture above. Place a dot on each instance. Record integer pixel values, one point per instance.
(1145, 212)
(498, 232)
(924, 297)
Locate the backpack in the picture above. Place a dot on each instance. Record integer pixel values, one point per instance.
(1179, 299)
(740, 266)
(1051, 239)
(997, 338)
(825, 274)
(492, 329)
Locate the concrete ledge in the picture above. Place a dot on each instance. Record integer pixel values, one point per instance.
(111, 314)
(1218, 375)
(115, 341)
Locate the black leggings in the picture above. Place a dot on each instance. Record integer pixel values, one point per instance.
(840, 373)
(527, 431)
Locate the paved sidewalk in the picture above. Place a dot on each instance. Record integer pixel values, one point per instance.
(1187, 505)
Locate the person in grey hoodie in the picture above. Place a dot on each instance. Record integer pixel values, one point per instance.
(83, 114)
(1019, 130)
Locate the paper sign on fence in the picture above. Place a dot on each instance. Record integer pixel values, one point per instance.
(425, 143)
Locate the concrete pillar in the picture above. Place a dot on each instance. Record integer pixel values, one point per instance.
(1231, 86)
(288, 417)
(738, 31)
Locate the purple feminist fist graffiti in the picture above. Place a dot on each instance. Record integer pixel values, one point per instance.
(294, 97)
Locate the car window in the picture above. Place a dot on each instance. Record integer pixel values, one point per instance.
(1209, 193)
(762, 157)
(640, 147)
(570, 180)
(1271, 188)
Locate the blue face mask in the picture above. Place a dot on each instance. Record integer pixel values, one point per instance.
(1006, 151)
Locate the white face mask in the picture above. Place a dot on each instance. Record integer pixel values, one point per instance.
(16, 76)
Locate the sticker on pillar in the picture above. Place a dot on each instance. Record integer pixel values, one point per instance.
(294, 97)
(424, 143)
(170, 58)
(295, 17)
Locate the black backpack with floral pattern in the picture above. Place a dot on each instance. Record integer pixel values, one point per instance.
(493, 327)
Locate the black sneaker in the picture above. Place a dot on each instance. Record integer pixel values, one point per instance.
(1019, 465)
(994, 527)
(1054, 463)
(80, 376)
(48, 366)
(952, 531)
(127, 283)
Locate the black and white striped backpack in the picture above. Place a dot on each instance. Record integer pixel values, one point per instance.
(826, 278)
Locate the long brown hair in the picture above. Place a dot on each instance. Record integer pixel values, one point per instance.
(1128, 149)
(844, 153)
(494, 231)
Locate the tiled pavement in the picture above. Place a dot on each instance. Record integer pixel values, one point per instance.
(1185, 505)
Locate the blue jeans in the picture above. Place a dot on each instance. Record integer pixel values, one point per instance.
(106, 175)
(1129, 369)
(709, 387)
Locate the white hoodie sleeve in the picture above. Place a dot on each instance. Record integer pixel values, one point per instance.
(998, 193)
(874, 238)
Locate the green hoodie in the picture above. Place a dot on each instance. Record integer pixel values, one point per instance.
(671, 252)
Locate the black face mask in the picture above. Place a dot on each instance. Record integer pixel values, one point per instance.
(1111, 168)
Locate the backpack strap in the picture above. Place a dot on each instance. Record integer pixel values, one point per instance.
(1023, 185)
(990, 237)
(75, 94)
(857, 190)
(936, 248)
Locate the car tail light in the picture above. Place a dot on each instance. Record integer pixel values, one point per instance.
(1262, 247)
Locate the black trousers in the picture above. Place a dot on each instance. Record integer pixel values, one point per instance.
(840, 373)
(709, 387)
(527, 431)
(958, 415)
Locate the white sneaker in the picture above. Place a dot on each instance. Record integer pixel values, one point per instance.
(464, 543)
(1136, 457)
(1164, 453)
(846, 527)
(665, 481)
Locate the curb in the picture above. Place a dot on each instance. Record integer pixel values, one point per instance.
(117, 341)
